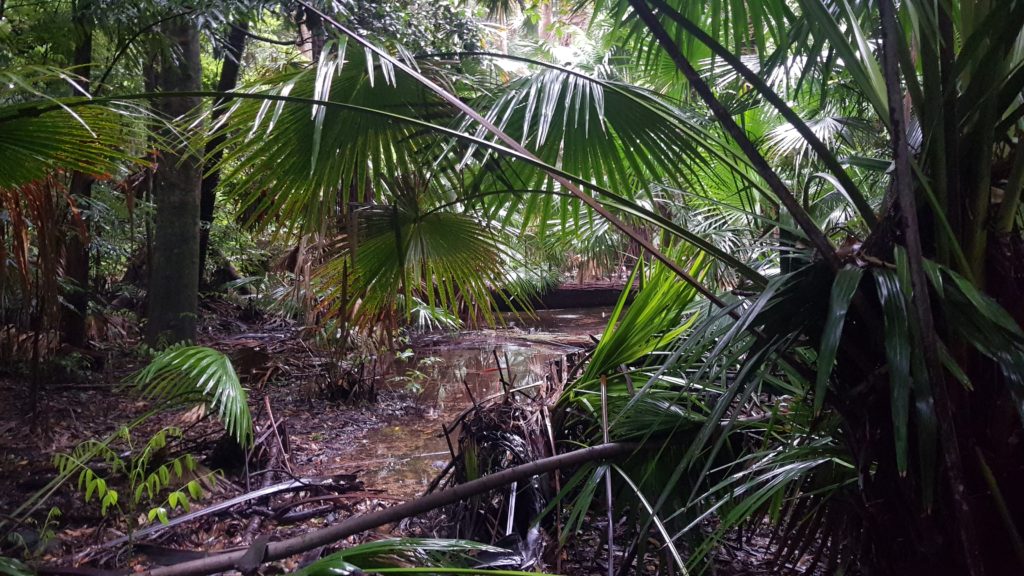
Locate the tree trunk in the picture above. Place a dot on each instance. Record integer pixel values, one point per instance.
(76, 245)
(174, 268)
(228, 81)
(311, 34)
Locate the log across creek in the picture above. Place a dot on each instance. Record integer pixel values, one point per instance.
(585, 295)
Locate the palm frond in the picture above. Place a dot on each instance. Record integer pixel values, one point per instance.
(410, 556)
(14, 567)
(74, 135)
(449, 260)
(323, 157)
(184, 374)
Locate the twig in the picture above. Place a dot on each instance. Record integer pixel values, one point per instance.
(501, 375)
(508, 368)
(629, 379)
(470, 392)
(558, 483)
(440, 477)
(276, 452)
(281, 443)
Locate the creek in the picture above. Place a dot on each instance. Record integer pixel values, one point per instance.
(403, 455)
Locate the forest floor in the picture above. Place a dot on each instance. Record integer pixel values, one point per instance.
(304, 432)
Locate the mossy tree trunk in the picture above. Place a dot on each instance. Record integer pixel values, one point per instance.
(174, 267)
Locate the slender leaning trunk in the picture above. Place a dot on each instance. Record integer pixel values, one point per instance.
(174, 267)
(211, 179)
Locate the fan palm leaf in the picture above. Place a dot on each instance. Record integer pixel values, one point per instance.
(323, 157)
(449, 260)
(73, 135)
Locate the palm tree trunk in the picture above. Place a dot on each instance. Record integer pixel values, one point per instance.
(228, 81)
(174, 268)
(76, 245)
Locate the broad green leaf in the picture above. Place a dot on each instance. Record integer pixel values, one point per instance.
(843, 290)
(898, 351)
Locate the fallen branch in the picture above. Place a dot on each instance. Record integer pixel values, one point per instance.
(357, 524)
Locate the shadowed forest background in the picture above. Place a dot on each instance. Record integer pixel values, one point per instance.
(485, 287)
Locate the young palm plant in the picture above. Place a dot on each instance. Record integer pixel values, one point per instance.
(180, 376)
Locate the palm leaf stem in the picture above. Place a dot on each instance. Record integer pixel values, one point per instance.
(471, 197)
(826, 156)
(948, 79)
(452, 570)
(721, 113)
(1000, 502)
(608, 479)
(1011, 200)
(942, 221)
(922, 311)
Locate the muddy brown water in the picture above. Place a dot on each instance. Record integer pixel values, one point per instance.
(407, 452)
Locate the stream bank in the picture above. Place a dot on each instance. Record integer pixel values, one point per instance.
(393, 445)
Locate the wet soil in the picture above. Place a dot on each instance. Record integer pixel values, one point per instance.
(393, 444)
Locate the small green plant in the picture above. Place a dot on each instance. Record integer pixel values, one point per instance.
(72, 366)
(36, 545)
(180, 376)
(144, 350)
(431, 361)
(412, 379)
(155, 485)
